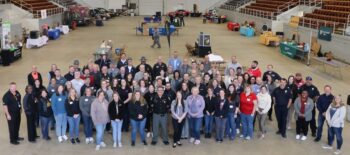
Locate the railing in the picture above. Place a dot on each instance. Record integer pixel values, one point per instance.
(234, 7)
(337, 27)
(22, 4)
(4, 1)
(36, 13)
(311, 3)
(286, 6)
(259, 13)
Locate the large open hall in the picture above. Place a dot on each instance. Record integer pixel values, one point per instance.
(248, 77)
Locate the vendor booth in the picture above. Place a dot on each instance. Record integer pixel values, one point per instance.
(247, 31)
(268, 38)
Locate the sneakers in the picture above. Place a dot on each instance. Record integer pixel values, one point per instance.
(166, 142)
(237, 131)
(337, 152)
(91, 140)
(65, 137)
(179, 143)
(120, 145)
(191, 140)
(97, 147)
(247, 138)
(60, 139)
(132, 143)
(154, 143)
(327, 147)
(144, 142)
(317, 139)
(303, 138)
(174, 145)
(297, 137)
(262, 136)
(72, 141)
(241, 136)
(148, 134)
(103, 144)
(77, 140)
(87, 140)
(197, 142)
(288, 128)
(114, 145)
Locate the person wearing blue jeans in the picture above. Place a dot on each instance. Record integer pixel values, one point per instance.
(247, 125)
(231, 126)
(58, 107)
(73, 114)
(44, 123)
(248, 102)
(195, 106)
(74, 128)
(115, 111)
(322, 105)
(209, 112)
(221, 111)
(45, 113)
(138, 113)
(85, 102)
(233, 103)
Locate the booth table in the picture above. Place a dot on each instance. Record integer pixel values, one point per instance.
(247, 31)
(293, 51)
(337, 65)
(41, 41)
(10, 55)
(64, 29)
(267, 37)
(54, 34)
(233, 26)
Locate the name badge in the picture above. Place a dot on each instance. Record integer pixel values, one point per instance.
(70, 102)
(231, 106)
(52, 90)
(86, 100)
(248, 99)
(59, 99)
(285, 91)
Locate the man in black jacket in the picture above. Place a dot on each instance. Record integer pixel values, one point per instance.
(34, 75)
(161, 107)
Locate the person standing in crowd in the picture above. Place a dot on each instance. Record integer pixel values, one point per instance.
(85, 102)
(195, 105)
(209, 110)
(70, 75)
(29, 106)
(161, 107)
(233, 64)
(335, 116)
(294, 90)
(303, 113)
(322, 105)
(100, 117)
(248, 104)
(275, 76)
(254, 70)
(130, 69)
(34, 75)
(115, 111)
(113, 71)
(233, 104)
(106, 89)
(178, 113)
(221, 111)
(313, 94)
(51, 73)
(59, 78)
(59, 111)
(12, 109)
(175, 61)
(103, 61)
(125, 95)
(264, 105)
(140, 73)
(148, 67)
(157, 67)
(156, 37)
(271, 86)
(282, 97)
(51, 88)
(45, 113)
(123, 61)
(138, 112)
(73, 115)
(149, 99)
(77, 82)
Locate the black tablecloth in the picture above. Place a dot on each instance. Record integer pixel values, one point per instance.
(8, 56)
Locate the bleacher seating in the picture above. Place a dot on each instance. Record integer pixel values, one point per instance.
(269, 8)
(333, 13)
(35, 7)
(233, 4)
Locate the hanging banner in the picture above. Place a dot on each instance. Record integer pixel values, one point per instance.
(43, 14)
(6, 29)
(325, 33)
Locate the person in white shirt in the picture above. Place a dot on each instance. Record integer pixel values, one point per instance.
(264, 105)
(234, 64)
(77, 82)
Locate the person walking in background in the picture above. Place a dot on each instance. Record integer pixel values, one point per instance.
(138, 112)
(45, 112)
(73, 115)
(58, 100)
(195, 105)
(248, 103)
(263, 107)
(282, 97)
(29, 106)
(156, 37)
(115, 111)
(178, 113)
(303, 106)
(85, 102)
(210, 101)
(221, 111)
(322, 105)
(100, 117)
(335, 116)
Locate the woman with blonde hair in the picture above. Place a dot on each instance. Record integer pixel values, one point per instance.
(73, 115)
(115, 111)
(335, 116)
(138, 112)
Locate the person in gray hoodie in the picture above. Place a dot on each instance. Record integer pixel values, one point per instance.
(303, 114)
(85, 106)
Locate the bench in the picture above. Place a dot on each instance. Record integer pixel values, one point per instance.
(337, 65)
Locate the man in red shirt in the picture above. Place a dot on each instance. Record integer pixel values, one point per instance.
(248, 101)
(254, 70)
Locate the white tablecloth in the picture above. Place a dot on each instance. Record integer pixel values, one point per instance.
(41, 41)
(64, 29)
(215, 58)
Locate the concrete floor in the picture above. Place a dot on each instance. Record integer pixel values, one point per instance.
(81, 43)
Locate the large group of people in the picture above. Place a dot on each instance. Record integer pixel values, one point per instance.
(196, 97)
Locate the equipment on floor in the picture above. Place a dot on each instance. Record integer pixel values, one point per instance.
(34, 34)
(99, 23)
(54, 34)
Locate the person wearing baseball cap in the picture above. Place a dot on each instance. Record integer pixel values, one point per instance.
(148, 67)
(313, 94)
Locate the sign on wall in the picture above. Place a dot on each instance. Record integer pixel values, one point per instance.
(6, 29)
(43, 14)
(325, 33)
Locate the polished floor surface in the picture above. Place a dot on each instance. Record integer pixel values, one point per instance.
(80, 44)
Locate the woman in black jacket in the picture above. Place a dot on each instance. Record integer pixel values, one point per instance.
(37, 93)
(73, 115)
(221, 111)
(115, 111)
(30, 110)
(209, 109)
(45, 113)
(233, 104)
(149, 97)
(138, 112)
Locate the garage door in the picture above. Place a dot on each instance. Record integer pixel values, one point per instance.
(150, 7)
